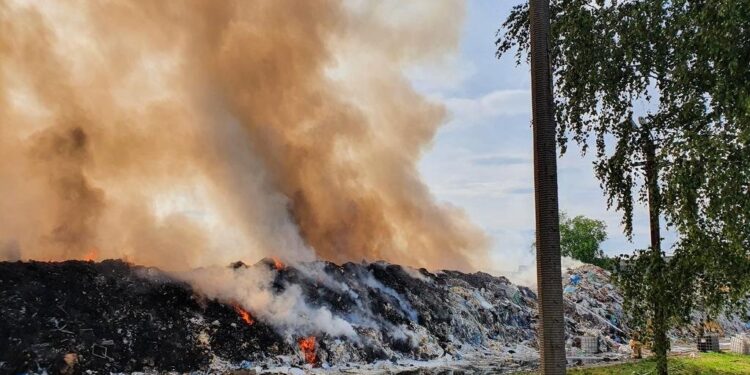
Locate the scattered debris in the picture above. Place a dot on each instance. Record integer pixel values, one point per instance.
(69, 363)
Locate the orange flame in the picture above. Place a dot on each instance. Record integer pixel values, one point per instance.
(307, 345)
(278, 264)
(243, 314)
(91, 255)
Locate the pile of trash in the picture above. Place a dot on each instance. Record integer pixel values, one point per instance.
(593, 307)
(116, 317)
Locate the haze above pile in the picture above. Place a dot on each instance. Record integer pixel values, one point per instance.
(198, 133)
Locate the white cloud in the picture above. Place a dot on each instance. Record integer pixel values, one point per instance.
(473, 111)
(442, 75)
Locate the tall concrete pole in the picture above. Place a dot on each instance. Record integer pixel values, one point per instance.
(549, 281)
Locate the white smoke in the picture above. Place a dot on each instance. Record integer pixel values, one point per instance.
(252, 289)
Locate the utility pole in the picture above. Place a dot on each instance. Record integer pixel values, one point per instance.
(551, 329)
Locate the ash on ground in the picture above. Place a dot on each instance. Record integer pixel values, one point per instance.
(75, 316)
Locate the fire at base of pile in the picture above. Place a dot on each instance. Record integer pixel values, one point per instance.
(116, 317)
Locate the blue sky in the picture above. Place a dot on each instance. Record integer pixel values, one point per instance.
(481, 160)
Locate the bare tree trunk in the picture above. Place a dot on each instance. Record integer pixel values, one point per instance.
(549, 282)
(661, 343)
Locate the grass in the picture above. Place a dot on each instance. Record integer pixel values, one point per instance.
(703, 363)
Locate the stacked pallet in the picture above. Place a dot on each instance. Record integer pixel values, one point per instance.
(590, 344)
(740, 344)
(708, 343)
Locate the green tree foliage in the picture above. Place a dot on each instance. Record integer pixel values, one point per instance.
(685, 64)
(581, 237)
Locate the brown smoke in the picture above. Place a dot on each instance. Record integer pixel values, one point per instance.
(181, 134)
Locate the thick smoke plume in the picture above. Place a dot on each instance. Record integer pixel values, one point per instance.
(184, 134)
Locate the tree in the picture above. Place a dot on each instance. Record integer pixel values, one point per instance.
(687, 64)
(551, 331)
(581, 237)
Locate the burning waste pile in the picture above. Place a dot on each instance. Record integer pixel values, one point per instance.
(116, 317)
(180, 135)
(185, 135)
